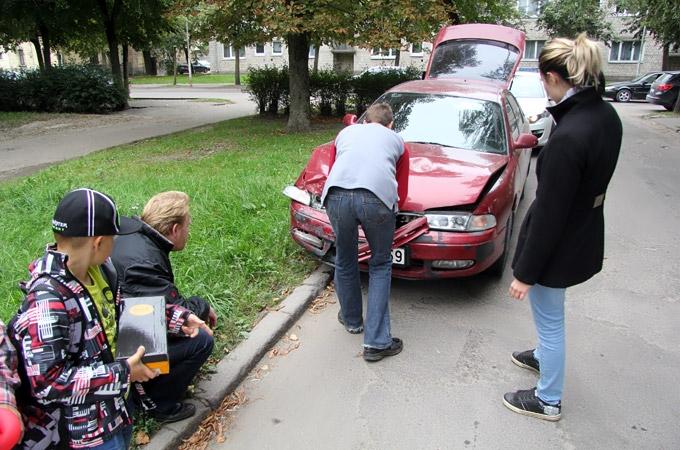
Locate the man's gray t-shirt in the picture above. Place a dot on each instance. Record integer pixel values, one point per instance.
(366, 157)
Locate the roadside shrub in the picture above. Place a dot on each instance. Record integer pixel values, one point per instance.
(329, 88)
(268, 87)
(73, 88)
(368, 86)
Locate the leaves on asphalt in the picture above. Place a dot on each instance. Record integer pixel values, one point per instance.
(215, 425)
(141, 438)
(327, 297)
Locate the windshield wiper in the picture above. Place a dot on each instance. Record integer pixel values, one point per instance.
(429, 143)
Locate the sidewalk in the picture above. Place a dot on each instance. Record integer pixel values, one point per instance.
(184, 91)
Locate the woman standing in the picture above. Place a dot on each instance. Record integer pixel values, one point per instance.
(561, 242)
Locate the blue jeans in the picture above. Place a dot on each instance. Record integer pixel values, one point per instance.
(119, 441)
(347, 209)
(547, 305)
(186, 355)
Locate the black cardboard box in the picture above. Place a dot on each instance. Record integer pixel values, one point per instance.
(142, 322)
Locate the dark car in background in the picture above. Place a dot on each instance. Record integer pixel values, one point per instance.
(664, 90)
(196, 67)
(625, 91)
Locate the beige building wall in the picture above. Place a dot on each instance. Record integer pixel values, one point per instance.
(23, 58)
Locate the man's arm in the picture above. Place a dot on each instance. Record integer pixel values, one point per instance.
(403, 170)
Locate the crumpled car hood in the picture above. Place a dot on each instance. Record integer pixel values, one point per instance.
(439, 176)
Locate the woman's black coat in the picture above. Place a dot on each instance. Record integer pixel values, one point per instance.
(561, 242)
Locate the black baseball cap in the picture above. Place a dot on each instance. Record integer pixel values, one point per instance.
(86, 213)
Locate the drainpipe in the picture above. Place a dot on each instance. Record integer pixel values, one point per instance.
(642, 48)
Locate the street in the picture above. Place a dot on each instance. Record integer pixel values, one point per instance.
(445, 389)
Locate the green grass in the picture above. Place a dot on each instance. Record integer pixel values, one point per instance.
(200, 78)
(9, 120)
(239, 256)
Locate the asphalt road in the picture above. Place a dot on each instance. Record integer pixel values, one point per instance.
(155, 111)
(444, 390)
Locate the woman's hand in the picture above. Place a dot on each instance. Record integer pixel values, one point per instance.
(518, 290)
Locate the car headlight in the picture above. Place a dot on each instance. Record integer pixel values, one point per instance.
(304, 197)
(460, 221)
(536, 117)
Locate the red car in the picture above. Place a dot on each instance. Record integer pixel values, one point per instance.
(470, 149)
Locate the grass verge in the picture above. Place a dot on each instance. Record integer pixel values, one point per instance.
(9, 120)
(199, 78)
(239, 256)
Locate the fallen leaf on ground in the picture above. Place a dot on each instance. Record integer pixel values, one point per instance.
(141, 438)
(293, 337)
(214, 425)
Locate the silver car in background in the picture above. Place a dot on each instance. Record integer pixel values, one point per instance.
(528, 90)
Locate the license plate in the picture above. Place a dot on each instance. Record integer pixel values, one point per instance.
(398, 256)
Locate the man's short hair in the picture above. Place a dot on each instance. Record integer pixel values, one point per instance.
(379, 113)
(164, 210)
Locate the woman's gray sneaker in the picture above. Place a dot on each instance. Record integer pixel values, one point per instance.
(526, 360)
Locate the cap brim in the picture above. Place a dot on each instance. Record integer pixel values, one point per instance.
(128, 225)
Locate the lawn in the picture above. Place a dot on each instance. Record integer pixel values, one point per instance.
(209, 78)
(239, 256)
(9, 120)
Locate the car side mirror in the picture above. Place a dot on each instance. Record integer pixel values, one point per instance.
(422, 75)
(526, 140)
(349, 119)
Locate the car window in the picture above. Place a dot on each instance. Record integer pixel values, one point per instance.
(474, 59)
(448, 120)
(515, 116)
(527, 87)
(651, 78)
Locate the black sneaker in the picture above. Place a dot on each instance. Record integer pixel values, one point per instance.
(180, 412)
(376, 354)
(528, 404)
(526, 360)
(357, 330)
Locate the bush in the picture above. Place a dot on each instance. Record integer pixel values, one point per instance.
(268, 87)
(329, 88)
(74, 88)
(369, 86)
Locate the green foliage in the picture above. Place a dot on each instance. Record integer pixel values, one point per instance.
(569, 18)
(268, 87)
(368, 86)
(660, 17)
(329, 88)
(82, 89)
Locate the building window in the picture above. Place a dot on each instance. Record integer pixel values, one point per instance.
(22, 58)
(379, 53)
(230, 54)
(277, 48)
(529, 8)
(312, 51)
(533, 50)
(259, 49)
(417, 49)
(624, 51)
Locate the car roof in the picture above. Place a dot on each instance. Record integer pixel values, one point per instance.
(478, 89)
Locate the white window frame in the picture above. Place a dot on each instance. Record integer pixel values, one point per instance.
(274, 52)
(242, 52)
(523, 9)
(420, 53)
(312, 52)
(619, 46)
(259, 53)
(377, 53)
(536, 50)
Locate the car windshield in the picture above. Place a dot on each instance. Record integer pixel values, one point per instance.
(447, 120)
(527, 87)
(474, 59)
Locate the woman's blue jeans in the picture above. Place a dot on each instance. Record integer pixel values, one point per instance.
(347, 209)
(547, 305)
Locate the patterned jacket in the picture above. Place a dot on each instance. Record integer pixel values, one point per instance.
(77, 389)
(9, 378)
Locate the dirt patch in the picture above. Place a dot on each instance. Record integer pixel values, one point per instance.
(51, 123)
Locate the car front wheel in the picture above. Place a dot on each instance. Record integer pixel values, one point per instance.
(497, 268)
(623, 96)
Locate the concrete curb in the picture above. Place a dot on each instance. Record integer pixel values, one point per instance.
(233, 368)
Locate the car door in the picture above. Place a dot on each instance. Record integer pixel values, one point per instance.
(520, 158)
(641, 89)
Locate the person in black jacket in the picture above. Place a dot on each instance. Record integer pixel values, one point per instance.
(143, 262)
(561, 241)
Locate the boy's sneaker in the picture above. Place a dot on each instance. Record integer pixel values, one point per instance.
(528, 404)
(376, 354)
(181, 411)
(526, 360)
(353, 330)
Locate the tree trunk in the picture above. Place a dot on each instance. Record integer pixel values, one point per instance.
(676, 108)
(298, 81)
(47, 51)
(317, 49)
(126, 75)
(150, 67)
(38, 53)
(109, 20)
(237, 67)
(664, 57)
(94, 59)
(397, 57)
(174, 66)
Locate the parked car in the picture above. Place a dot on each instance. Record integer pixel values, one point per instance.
(196, 67)
(664, 90)
(626, 91)
(470, 151)
(528, 89)
(382, 69)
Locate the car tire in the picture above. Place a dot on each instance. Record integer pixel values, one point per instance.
(624, 96)
(497, 268)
